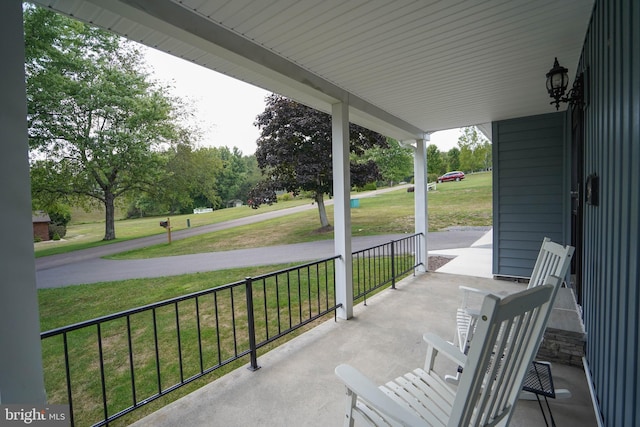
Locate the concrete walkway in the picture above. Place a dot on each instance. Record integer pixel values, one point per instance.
(475, 260)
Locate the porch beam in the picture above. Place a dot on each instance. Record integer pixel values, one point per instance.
(21, 375)
(420, 201)
(342, 208)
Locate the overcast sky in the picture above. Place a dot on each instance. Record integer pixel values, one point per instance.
(225, 108)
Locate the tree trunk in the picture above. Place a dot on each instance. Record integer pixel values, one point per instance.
(324, 221)
(109, 221)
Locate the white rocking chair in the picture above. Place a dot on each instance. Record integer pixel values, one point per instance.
(553, 259)
(507, 336)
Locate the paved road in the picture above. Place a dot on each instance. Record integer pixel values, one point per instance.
(87, 266)
(95, 269)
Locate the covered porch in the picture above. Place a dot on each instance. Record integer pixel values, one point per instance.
(406, 70)
(296, 385)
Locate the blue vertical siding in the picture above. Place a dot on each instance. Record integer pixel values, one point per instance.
(611, 279)
(529, 192)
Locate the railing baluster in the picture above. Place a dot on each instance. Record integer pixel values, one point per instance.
(318, 286)
(335, 296)
(266, 313)
(358, 271)
(215, 309)
(199, 334)
(278, 303)
(102, 376)
(252, 329)
(233, 322)
(299, 297)
(309, 291)
(155, 341)
(68, 375)
(289, 299)
(326, 283)
(393, 266)
(179, 341)
(131, 365)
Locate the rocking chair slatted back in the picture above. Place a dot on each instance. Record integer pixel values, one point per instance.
(507, 336)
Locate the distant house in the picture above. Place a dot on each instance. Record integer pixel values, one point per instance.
(41, 222)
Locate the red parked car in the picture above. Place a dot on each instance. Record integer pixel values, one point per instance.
(451, 176)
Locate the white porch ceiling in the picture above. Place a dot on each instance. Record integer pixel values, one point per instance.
(405, 67)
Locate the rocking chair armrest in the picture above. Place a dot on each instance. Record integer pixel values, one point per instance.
(363, 387)
(445, 348)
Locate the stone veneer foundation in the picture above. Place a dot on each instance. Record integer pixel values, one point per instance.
(565, 337)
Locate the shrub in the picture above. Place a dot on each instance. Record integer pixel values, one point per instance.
(59, 214)
(370, 186)
(57, 230)
(432, 177)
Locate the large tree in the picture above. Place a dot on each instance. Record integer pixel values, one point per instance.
(435, 161)
(96, 120)
(475, 150)
(453, 159)
(191, 180)
(294, 153)
(232, 174)
(395, 162)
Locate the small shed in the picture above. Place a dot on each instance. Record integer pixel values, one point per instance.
(41, 222)
(235, 203)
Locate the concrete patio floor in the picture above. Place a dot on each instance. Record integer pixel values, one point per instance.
(296, 385)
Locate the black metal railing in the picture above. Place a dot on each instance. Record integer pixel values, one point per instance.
(110, 366)
(375, 267)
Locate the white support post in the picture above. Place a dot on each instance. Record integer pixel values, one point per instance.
(342, 208)
(21, 375)
(420, 201)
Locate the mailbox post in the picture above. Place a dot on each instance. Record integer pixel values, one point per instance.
(167, 224)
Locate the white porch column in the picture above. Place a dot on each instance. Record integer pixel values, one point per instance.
(342, 208)
(21, 377)
(420, 200)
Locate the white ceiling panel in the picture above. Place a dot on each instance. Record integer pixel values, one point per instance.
(406, 67)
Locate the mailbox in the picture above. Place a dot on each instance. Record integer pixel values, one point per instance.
(164, 224)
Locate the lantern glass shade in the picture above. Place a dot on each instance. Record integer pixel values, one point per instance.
(557, 80)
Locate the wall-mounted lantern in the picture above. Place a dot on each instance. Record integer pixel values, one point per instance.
(557, 83)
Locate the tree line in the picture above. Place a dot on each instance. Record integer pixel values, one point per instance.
(472, 154)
